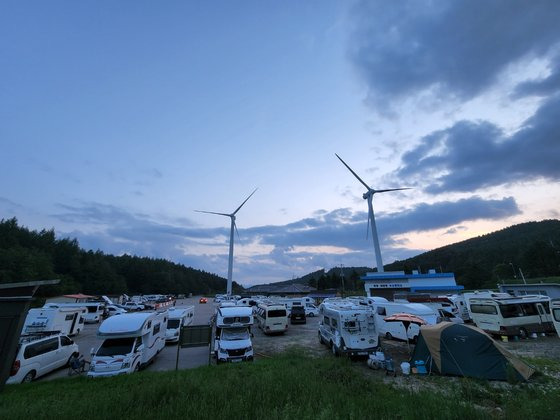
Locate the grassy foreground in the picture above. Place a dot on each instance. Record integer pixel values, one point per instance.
(290, 386)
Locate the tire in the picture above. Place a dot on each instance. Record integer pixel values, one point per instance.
(388, 336)
(334, 350)
(523, 333)
(137, 368)
(311, 315)
(29, 377)
(321, 339)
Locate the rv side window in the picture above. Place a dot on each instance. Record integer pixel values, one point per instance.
(350, 325)
(381, 310)
(65, 341)
(511, 311)
(483, 309)
(326, 321)
(149, 324)
(529, 309)
(556, 313)
(156, 329)
(69, 317)
(334, 322)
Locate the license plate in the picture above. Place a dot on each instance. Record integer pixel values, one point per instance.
(235, 360)
(362, 353)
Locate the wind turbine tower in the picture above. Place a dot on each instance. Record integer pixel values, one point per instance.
(233, 227)
(368, 195)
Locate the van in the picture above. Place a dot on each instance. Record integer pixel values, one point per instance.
(67, 321)
(232, 332)
(512, 316)
(94, 314)
(39, 354)
(383, 308)
(347, 328)
(555, 312)
(272, 318)
(178, 317)
(131, 342)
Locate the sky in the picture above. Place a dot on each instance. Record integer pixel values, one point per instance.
(119, 119)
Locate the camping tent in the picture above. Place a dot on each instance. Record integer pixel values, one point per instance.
(464, 350)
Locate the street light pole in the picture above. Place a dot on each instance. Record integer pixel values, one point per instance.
(513, 268)
(342, 278)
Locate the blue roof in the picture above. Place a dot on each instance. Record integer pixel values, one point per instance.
(415, 288)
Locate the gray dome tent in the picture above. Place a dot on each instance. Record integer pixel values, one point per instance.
(464, 350)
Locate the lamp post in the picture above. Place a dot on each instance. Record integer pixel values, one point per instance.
(513, 268)
(342, 278)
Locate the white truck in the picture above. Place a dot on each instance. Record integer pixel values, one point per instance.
(68, 321)
(178, 317)
(131, 341)
(232, 342)
(348, 328)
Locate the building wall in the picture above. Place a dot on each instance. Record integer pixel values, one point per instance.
(548, 289)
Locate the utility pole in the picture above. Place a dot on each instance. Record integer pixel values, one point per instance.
(522, 276)
(513, 268)
(342, 278)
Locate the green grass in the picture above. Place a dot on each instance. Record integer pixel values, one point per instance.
(290, 386)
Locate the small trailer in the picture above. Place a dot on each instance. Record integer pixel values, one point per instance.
(68, 320)
(131, 341)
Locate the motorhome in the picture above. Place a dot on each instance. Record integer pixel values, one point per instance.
(68, 321)
(347, 328)
(384, 308)
(232, 342)
(178, 317)
(555, 312)
(441, 305)
(481, 294)
(94, 314)
(272, 318)
(512, 316)
(130, 342)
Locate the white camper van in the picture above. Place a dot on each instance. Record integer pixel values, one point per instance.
(383, 308)
(347, 328)
(94, 312)
(68, 321)
(272, 318)
(131, 341)
(178, 317)
(555, 311)
(513, 315)
(232, 341)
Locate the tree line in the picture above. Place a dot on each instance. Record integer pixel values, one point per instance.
(27, 255)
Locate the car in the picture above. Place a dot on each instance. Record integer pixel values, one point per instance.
(203, 300)
(311, 310)
(39, 354)
(114, 310)
(133, 306)
(297, 315)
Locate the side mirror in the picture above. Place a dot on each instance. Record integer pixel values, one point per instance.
(252, 335)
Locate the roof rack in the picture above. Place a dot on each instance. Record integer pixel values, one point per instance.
(26, 338)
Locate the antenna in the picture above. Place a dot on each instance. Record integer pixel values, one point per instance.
(368, 195)
(231, 237)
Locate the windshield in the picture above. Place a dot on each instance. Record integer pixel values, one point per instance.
(173, 323)
(92, 309)
(116, 346)
(235, 334)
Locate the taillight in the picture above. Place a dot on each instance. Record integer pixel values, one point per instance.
(15, 367)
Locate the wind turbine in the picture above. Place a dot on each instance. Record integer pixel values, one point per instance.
(369, 197)
(233, 227)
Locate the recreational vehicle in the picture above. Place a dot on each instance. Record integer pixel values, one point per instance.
(460, 304)
(68, 321)
(131, 341)
(272, 318)
(383, 308)
(347, 328)
(481, 294)
(178, 317)
(512, 316)
(232, 341)
(94, 314)
(555, 311)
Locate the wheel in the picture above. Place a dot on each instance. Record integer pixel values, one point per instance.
(311, 315)
(137, 368)
(388, 336)
(29, 377)
(321, 339)
(334, 350)
(523, 333)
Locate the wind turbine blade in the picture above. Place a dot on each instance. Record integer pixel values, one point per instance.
(236, 210)
(391, 189)
(355, 174)
(212, 212)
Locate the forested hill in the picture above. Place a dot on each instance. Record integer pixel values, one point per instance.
(30, 255)
(485, 260)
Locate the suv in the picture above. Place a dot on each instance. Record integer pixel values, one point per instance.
(297, 315)
(133, 306)
(39, 354)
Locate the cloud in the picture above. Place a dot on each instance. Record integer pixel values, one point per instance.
(473, 155)
(271, 253)
(452, 48)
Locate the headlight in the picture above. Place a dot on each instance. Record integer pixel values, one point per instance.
(250, 348)
(177, 332)
(125, 365)
(92, 368)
